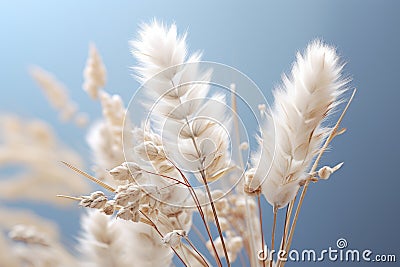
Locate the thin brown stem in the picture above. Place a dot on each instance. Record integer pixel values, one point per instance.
(167, 177)
(273, 236)
(158, 231)
(190, 243)
(199, 208)
(217, 221)
(195, 249)
(285, 228)
(261, 228)
(313, 168)
(205, 181)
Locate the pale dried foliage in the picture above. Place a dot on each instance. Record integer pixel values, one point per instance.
(105, 136)
(37, 241)
(94, 73)
(57, 95)
(30, 155)
(145, 215)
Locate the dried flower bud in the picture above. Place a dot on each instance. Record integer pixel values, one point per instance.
(99, 202)
(85, 201)
(174, 238)
(166, 168)
(121, 199)
(326, 171)
(127, 171)
(120, 173)
(251, 187)
(147, 151)
(134, 193)
(136, 216)
(122, 188)
(125, 214)
(109, 207)
(96, 194)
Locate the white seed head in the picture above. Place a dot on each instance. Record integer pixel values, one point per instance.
(99, 202)
(120, 173)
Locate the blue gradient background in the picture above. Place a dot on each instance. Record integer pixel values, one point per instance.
(359, 203)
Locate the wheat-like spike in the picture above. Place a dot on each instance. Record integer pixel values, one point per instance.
(70, 197)
(90, 177)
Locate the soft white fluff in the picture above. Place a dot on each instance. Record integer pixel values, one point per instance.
(94, 74)
(104, 242)
(293, 133)
(177, 89)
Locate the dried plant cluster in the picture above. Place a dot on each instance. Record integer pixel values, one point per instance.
(158, 176)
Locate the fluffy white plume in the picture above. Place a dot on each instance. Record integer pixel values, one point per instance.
(56, 93)
(94, 73)
(301, 105)
(195, 127)
(105, 137)
(104, 242)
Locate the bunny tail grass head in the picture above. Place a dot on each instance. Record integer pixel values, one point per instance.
(302, 103)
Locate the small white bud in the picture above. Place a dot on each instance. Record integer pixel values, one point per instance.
(326, 171)
(174, 238)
